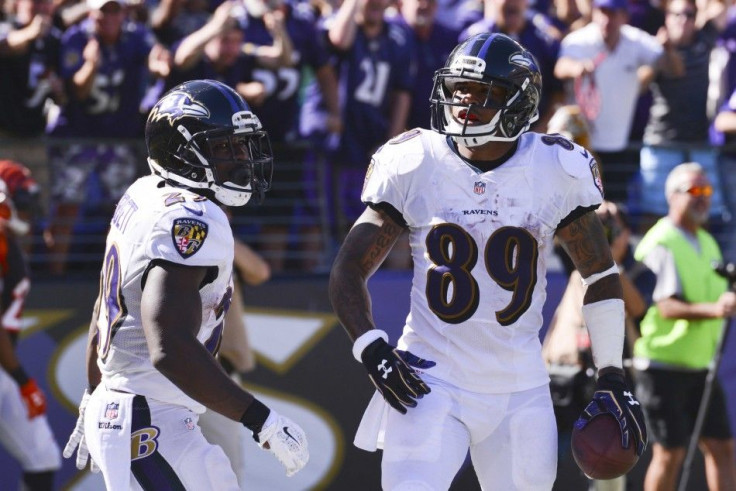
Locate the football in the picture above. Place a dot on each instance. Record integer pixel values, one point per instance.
(597, 449)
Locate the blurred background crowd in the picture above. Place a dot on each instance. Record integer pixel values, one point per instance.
(644, 85)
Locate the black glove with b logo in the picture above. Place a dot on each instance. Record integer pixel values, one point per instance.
(392, 372)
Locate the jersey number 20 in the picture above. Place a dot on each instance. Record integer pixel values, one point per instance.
(112, 305)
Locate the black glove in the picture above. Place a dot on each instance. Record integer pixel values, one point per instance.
(614, 397)
(392, 373)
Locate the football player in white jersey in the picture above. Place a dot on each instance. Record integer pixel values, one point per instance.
(165, 286)
(482, 199)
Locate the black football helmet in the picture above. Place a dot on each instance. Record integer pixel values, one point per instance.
(497, 60)
(203, 128)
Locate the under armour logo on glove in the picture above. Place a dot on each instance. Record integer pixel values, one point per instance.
(386, 370)
(613, 397)
(393, 377)
(631, 401)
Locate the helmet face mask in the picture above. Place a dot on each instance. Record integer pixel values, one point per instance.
(203, 136)
(238, 163)
(499, 62)
(473, 104)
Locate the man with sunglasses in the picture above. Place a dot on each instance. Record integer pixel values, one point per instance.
(680, 332)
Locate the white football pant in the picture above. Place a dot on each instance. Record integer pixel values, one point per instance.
(512, 440)
(29, 441)
(162, 443)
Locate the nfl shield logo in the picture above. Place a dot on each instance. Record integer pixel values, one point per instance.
(111, 410)
(479, 187)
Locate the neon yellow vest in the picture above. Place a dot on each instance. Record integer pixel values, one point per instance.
(689, 343)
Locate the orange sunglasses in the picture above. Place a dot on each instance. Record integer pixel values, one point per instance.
(698, 191)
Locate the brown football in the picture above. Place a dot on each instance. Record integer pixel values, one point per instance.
(597, 449)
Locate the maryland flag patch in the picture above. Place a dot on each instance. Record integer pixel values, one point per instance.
(188, 235)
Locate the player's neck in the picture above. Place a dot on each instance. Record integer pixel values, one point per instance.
(487, 152)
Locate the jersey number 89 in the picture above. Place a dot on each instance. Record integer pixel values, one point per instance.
(510, 258)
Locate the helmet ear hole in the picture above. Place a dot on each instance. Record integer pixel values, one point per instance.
(187, 154)
(197, 175)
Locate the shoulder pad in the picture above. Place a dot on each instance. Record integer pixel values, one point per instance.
(572, 157)
(198, 231)
(576, 161)
(402, 150)
(407, 143)
(186, 202)
(405, 136)
(582, 164)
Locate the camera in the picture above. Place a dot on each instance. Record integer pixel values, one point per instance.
(611, 227)
(727, 270)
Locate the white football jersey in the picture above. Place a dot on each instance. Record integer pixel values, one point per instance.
(165, 223)
(479, 242)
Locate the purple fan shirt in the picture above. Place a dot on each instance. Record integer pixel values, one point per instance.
(240, 71)
(24, 86)
(111, 110)
(367, 75)
(430, 55)
(279, 113)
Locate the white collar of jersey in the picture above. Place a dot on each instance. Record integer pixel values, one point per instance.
(489, 164)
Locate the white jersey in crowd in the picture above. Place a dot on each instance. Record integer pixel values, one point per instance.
(479, 242)
(154, 222)
(615, 77)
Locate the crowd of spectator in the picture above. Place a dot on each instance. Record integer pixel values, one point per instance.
(330, 80)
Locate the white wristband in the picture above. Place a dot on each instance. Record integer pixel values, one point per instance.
(365, 339)
(597, 276)
(605, 322)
